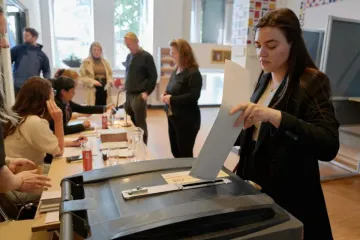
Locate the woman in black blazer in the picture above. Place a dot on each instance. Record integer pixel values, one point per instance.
(289, 124)
(65, 91)
(181, 100)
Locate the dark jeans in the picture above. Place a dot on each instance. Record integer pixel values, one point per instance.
(100, 96)
(136, 107)
(183, 130)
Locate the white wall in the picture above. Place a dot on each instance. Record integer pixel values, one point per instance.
(34, 18)
(203, 52)
(316, 17)
(168, 23)
(294, 5)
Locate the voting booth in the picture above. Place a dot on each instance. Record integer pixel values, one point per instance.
(146, 200)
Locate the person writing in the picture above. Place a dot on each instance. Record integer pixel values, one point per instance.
(96, 75)
(289, 124)
(181, 100)
(140, 81)
(65, 91)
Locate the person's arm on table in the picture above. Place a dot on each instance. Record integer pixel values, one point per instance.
(87, 109)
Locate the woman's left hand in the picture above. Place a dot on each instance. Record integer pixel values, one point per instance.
(19, 162)
(166, 99)
(252, 113)
(77, 142)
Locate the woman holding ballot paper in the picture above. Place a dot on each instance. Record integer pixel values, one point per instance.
(289, 124)
(181, 100)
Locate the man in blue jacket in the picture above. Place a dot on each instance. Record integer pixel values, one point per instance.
(29, 60)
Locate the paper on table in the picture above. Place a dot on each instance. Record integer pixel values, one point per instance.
(71, 139)
(113, 145)
(184, 178)
(72, 151)
(223, 134)
(52, 217)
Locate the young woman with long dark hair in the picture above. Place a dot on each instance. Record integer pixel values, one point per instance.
(289, 124)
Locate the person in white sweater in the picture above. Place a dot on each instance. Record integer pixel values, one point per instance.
(10, 179)
(31, 137)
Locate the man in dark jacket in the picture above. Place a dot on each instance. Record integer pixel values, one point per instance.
(140, 81)
(29, 60)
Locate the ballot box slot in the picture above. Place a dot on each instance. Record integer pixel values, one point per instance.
(147, 191)
(211, 227)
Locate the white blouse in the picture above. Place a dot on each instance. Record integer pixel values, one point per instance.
(264, 100)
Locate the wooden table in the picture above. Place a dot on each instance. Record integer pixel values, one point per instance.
(60, 169)
(21, 230)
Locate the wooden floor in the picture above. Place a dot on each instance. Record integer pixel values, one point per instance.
(342, 196)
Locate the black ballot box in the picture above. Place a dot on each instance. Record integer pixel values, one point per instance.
(133, 201)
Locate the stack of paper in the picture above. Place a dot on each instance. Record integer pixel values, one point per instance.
(50, 201)
(113, 145)
(52, 217)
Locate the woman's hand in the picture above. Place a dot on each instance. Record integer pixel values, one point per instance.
(77, 142)
(86, 124)
(110, 107)
(166, 99)
(32, 182)
(252, 113)
(97, 84)
(54, 111)
(19, 162)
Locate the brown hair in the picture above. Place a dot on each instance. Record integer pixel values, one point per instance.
(31, 100)
(187, 58)
(299, 61)
(67, 73)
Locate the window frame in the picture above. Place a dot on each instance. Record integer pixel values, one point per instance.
(96, 31)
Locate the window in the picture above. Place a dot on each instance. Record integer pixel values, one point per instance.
(73, 29)
(211, 21)
(130, 16)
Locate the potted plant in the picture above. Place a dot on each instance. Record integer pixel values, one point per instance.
(72, 61)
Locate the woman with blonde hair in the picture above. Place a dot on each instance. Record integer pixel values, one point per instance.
(181, 100)
(96, 75)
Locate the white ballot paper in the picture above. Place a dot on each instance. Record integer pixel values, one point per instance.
(223, 134)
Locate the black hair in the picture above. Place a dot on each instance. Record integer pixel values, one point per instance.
(32, 31)
(62, 83)
(299, 58)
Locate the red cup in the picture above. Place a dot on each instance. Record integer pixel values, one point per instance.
(117, 82)
(87, 159)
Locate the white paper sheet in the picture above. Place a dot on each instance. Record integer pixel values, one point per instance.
(72, 151)
(52, 217)
(223, 134)
(113, 145)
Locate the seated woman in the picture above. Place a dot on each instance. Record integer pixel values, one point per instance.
(65, 91)
(76, 77)
(31, 137)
